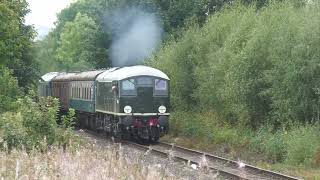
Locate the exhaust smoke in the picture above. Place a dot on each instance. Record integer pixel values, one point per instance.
(136, 35)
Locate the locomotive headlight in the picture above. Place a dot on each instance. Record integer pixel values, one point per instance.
(127, 109)
(162, 109)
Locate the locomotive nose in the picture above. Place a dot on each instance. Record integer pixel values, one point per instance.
(145, 101)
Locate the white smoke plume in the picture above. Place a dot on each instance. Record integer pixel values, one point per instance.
(136, 35)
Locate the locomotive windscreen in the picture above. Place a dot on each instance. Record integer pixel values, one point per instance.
(144, 81)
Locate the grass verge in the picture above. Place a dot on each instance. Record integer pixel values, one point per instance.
(294, 151)
(87, 161)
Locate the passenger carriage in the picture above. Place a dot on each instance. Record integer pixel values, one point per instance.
(45, 84)
(61, 89)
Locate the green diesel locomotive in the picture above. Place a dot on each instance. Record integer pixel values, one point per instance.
(124, 102)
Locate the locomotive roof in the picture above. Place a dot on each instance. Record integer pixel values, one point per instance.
(131, 71)
(49, 76)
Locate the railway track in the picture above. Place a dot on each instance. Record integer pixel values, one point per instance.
(226, 168)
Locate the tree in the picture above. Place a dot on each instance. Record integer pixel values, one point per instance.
(16, 42)
(9, 90)
(248, 65)
(77, 45)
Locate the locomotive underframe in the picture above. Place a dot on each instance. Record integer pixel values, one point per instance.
(125, 127)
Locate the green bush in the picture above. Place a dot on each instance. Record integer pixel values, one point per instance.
(303, 144)
(33, 125)
(65, 134)
(184, 124)
(299, 145)
(272, 144)
(12, 132)
(206, 127)
(30, 124)
(9, 90)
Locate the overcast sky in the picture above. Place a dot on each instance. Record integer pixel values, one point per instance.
(43, 14)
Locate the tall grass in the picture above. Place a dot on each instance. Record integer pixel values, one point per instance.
(84, 163)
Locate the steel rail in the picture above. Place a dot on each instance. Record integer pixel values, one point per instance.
(165, 154)
(221, 172)
(249, 171)
(225, 167)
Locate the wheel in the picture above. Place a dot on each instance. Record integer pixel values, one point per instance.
(116, 132)
(126, 134)
(154, 134)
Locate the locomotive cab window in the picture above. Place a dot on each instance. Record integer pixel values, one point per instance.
(128, 87)
(144, 82)
(160, 87)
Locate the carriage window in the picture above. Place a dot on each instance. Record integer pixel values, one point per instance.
(128, 87)
(87, 92)
(160, 87)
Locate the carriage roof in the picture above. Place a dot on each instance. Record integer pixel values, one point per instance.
(112, 74)
(49, 76)
(116, 74)
(63, 77)
(86, 75)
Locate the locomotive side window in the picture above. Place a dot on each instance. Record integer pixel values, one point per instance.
(128, 87)
(160, 87)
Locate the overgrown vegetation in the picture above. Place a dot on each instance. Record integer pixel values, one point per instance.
(298, 146)
(34, 123)
(244, 74)
(87, 162)
(253, 68)
(27, 121)
(67, 48)
(16, 42)
(9, 90)
(249, 80)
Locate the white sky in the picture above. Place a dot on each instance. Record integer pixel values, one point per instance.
(44, 13)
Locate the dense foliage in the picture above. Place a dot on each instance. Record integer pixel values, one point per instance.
(77, 47)
(244, 74)
(88, 20)
(33, 125)
(16, 42)
(24, 122)
(9, 90)
(298, 146)
(252, 68)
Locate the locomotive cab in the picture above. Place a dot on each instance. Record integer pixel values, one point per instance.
(145, 100)
(138, 100)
